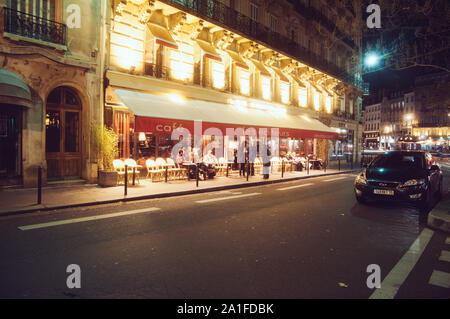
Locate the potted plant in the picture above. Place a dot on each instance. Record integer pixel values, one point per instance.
(104, 145)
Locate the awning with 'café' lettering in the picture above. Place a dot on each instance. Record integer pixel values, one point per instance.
(156, 113)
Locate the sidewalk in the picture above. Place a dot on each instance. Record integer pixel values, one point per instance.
(439, 217)
(15, 201)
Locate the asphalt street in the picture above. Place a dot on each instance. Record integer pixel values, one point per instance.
(302, 239)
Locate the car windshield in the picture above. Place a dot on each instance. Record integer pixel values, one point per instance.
(398, 160)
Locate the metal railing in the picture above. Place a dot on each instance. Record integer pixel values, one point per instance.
(34, 27)
(219, 12)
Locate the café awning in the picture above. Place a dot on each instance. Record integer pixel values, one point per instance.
(208, 50)
(260, 67)
(162, 113)
(14, 90)
(162, 36)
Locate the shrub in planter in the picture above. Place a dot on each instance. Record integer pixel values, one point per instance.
(104, 144)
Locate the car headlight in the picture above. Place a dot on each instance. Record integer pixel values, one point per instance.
(361, 179)
(414, 182)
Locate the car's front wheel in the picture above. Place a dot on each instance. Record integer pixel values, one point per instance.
(360, 199)
(425, 201)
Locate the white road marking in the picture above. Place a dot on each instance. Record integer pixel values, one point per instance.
(225, 198)
(440, 278)
(335, 179)
(296, 186)
(89, 218)
(445, 256)
(391, 284)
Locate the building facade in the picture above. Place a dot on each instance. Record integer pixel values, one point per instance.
(371, 126)
(49, 90)
(250, 55)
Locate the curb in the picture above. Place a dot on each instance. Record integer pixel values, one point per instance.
(42, 208)
(439, 218)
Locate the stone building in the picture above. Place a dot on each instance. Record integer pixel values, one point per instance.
(225, 62)
(49, 89)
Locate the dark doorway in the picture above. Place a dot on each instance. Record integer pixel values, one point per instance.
(10, 141)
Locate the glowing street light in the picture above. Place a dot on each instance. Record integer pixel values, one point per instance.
(372, 59)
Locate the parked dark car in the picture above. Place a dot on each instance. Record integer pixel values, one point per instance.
(410, 176)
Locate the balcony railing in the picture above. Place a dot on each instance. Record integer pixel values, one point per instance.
(34, 27)
(219, 12)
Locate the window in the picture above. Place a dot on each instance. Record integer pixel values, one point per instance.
(182, 62)
(254, 12)
(244, 81)
(328, 104)
(342, 103)
(351, 106)
(316, 100)
(266, 87)
(284, 90)
(218, 75)
(303, 97)
(273, 23)
(41, 8)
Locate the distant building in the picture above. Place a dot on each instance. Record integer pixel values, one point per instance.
(412, 119)
(371, 126)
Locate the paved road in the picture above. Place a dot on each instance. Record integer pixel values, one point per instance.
(303, 239)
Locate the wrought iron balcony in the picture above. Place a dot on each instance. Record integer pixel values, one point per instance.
(232, 19)
(34, 27)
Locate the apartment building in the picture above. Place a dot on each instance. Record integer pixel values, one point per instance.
(250, 64)
(49, 92)
(371, 126)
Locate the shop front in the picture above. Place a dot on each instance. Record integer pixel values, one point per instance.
(15, 98)
(150, 126)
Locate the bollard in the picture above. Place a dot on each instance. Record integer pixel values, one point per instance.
(307, 165)
(134, 175)
(325, 166)
(126, 181)
(282, 169)
(39, 185)
(228, 165)
(339, 165)
(248, 170)
(166, 173)
(197, 176)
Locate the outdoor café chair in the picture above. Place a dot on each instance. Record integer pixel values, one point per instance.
(131, 163)
(173, 170)
(119, 167)
(222, 166)
(258, 165)
(153, 170)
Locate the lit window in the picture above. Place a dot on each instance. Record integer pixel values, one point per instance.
(328, 104)
(284, 90)
(266, 87)
(182, 62)
(316, 100)
(303, 97)
(342, 103)
(244, 81)
(351, 106)
(218, 75)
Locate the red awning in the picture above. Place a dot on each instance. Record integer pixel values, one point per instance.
(159, 114)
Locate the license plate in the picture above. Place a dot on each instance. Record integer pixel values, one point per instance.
(383, 192)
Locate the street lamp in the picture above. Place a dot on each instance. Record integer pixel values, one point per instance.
(372, 59)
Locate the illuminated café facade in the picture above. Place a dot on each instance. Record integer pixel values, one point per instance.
(174, 62)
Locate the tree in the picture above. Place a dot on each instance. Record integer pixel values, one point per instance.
(414, 33)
